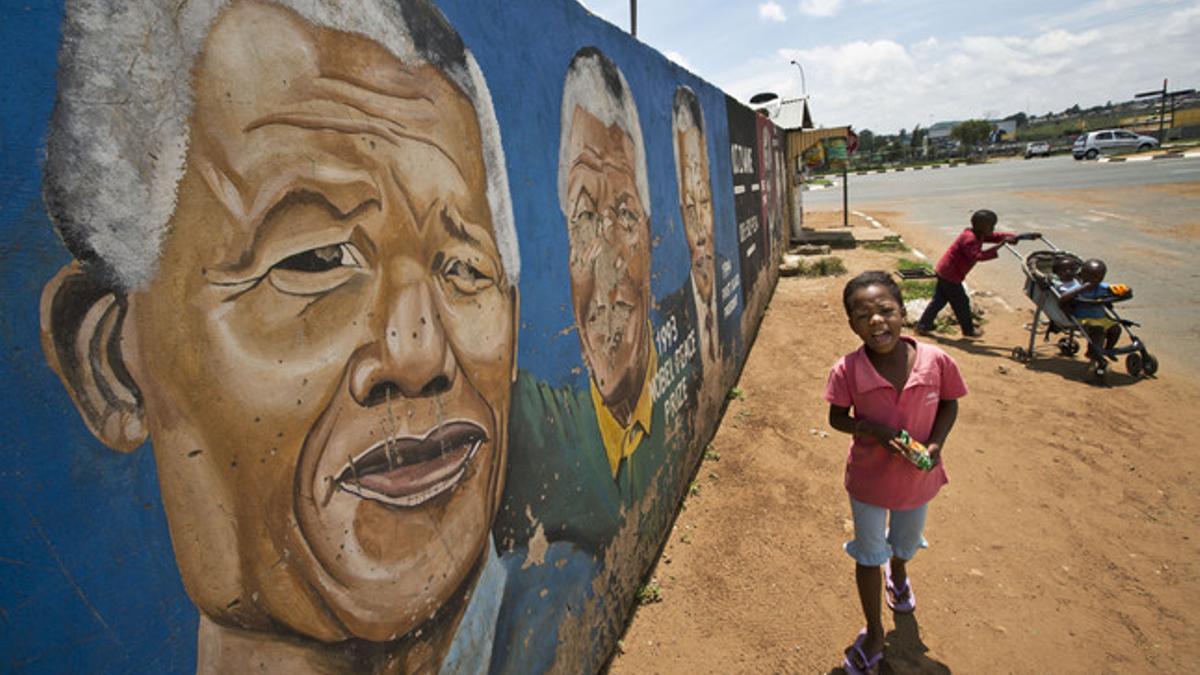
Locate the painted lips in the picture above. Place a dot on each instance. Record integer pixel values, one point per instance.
(409, 471)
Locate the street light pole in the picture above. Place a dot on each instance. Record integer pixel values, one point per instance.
(803, 86)
(633, 18)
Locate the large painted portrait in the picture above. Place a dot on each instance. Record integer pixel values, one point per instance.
(696, 211)
(295, 274)
(300, 400)
(605, 198)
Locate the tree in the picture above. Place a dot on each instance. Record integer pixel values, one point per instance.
(918, 137)
(971, 134)
(866, 141)
(1021, 119)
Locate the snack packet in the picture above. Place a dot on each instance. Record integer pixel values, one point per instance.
(914, 451)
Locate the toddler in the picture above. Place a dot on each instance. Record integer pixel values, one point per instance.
(1101, 328)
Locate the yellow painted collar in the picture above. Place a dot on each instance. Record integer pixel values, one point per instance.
(621, 441)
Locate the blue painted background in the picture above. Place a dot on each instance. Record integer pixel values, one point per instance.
(88, 581)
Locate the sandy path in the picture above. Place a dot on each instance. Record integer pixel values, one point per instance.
(1066, 541)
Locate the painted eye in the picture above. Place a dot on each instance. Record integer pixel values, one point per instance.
(627, 217)
(321, 259)
(466, 277)
(584, 222)
(317, 270)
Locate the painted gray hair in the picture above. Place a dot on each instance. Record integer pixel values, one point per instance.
(686, 114)
(118, 139)
(595, 84)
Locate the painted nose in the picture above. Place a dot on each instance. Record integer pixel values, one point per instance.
(410, 358)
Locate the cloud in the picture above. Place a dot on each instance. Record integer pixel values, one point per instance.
(678, 58)
(772, 11)
(885, 85)
(824, 8)
(1183, 22)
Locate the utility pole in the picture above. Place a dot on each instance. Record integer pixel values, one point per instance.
(633, 18)
(1162, 106)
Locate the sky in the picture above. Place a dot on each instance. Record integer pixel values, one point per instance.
(887, 65)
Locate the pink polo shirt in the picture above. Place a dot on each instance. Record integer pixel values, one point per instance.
(875, 475)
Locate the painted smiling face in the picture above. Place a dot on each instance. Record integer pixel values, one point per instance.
(326, 351)
(609, 257)
(695, 202)
(876, 317)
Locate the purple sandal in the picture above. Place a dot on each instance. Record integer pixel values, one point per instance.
(870, 665)
(900, 600)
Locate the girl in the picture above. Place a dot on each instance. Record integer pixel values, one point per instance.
(891, 383)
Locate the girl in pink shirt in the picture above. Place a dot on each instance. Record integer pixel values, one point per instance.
(891, 383)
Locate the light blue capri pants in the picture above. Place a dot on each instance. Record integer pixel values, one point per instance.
(875, 543)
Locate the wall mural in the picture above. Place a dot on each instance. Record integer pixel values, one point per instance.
(407, 345)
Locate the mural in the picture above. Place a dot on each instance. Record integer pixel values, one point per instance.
(696, 210)
(317, 391)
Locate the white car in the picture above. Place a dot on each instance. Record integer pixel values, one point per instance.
(1037, 149)
(1091, 144)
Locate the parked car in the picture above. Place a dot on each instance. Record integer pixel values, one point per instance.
(1091, 144)
(1037, 149)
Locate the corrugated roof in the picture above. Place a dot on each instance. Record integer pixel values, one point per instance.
(791, 114)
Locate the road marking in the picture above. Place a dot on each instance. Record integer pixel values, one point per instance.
(869, 219)
(1106, 214)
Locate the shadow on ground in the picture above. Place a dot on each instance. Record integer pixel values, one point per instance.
(905, 653)
(1044, 361)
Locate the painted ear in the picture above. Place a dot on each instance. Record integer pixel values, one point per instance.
(516, 329)
(81, 323)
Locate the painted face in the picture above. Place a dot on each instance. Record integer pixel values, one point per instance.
(695, 203)
(876, 317)
(326, 351)
(609, 257)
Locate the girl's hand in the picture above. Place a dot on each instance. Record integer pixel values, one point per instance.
(935, 452)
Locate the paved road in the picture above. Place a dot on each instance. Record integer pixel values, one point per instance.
(1142, 218)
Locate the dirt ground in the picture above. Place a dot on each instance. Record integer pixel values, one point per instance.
(1066, 542)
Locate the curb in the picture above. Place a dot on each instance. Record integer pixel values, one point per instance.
(1147, 158)
(898, 169)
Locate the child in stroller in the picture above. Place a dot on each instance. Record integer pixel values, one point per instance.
(1073, 298)
(1099, 326)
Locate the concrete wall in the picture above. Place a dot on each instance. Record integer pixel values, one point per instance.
(376, 336)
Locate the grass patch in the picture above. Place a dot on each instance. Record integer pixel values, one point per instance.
(914, 289)
(886, 246)
(906, 264)
(831, 266)
(649, 593)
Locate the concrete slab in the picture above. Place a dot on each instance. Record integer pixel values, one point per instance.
(845, 237)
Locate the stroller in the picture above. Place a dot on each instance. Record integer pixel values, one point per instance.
(1040, 286)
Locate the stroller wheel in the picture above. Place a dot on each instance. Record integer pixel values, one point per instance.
(1019, 354)
(1149, 365)
(1068, 346)
(1133, 364)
